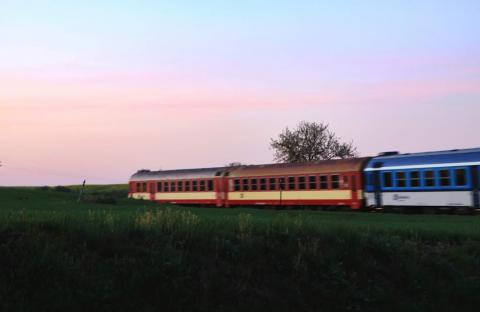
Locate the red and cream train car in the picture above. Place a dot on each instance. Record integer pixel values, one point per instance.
(189, 186)
(323, 183)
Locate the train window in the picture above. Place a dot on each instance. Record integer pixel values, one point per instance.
(173, 187)
(460, 177)
(429, 177)
(195, 186)
(139, 187)
(387, 179)
(210, 185)
(301, 183)
(144, 187)
(335, 181)
(401, 179)
(414, 179)
(323, 182)
(291, 183)
(312, 181)
(253, 184)
(180, 186)
(236, 185)
(187, 186)
(281, 183)
(345, 182)
(263, 184)
(166, 186)
(159, 186)
(445, 177)
(202, 185)
(246, 185)
(273, 184)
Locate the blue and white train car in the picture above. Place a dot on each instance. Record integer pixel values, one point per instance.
(434, 179)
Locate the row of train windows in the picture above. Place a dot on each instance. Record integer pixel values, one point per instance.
(186, 186)
(457, 177)
(293, 183)
(179, 186)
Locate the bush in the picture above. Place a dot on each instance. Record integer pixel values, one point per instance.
(100, 199)
(62, 188)
(172, 260)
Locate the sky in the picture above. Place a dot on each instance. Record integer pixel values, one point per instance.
(98, 89)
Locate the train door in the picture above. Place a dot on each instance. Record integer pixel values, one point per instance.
(226, 188)
(476, 186)
(152, 187)
(221, 189)
(353, 183)
(377, 188)
(377, 183)
(133, 188)
(218, 188)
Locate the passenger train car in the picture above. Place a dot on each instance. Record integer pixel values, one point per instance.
(187, 186)
(434, 179)
(325, 183)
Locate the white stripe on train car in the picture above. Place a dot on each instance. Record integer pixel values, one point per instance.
(475, 163)
(370, 199)
(441, 199)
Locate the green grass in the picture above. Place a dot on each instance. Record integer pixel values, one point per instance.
(37, 205)
(56, 254)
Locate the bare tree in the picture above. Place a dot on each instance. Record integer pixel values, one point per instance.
(310, 141)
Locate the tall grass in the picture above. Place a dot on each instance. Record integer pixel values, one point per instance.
(58, 255)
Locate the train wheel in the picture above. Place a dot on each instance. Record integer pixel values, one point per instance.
(398, 209)
(447, 210)
(429, 210)
(464, 211)
(387, 209)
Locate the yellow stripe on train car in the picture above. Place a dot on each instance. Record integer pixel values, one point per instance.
(141, 195)
(292, 195)
(186, 196)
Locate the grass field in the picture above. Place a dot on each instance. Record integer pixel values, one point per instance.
(112, 253)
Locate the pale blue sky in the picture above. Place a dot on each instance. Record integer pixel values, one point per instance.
(176, 84)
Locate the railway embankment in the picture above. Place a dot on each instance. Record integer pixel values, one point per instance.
(111, 253)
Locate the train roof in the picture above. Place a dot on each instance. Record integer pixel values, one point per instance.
(324, 166)
(451, 158)
(201, 173)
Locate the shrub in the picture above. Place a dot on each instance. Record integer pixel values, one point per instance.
(100, 199)
(62, 188)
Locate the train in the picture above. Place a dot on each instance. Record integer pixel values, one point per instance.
(431, 181)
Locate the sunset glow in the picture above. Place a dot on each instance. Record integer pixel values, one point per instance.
(96, 91)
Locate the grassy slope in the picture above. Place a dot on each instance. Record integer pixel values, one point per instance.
(57, 255)
(34, 203)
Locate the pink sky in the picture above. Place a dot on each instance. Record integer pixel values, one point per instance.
(99, 106)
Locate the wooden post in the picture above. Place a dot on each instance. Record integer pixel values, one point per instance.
(81, 192)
